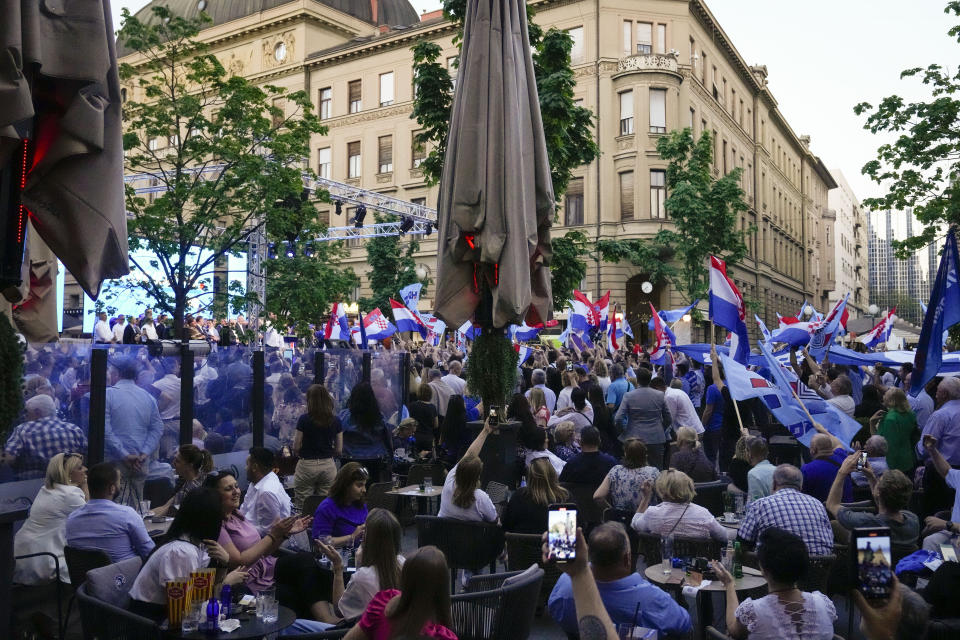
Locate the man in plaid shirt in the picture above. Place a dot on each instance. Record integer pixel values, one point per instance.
(44, 435)
(791, 510)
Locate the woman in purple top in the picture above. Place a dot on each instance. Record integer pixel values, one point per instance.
(342, 514)
(241, 540)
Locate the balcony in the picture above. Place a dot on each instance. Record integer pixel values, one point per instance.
(649, 62)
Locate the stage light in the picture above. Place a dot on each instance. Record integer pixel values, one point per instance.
(291, 249)
(359, 216)
(308, 250)
(406, 224)
(271, 251)
(429, 228)
(338, 204)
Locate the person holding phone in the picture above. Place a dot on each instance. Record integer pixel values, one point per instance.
(943, 529)
(461, 497)
(786, 611)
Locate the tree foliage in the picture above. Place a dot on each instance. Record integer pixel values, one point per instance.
(568, 268)
(230, 162)
(566, 126)
(921, 167)
(392, 267)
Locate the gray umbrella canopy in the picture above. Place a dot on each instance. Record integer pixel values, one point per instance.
(59, 89)
(496, 196)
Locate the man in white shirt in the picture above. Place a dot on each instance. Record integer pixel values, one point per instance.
(538, 380)
(147, 328)
(453, 379)
(118, 329)
(266, 500)
(679, 404)
(101, 330)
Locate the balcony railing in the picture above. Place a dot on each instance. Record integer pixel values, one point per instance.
(648, 62)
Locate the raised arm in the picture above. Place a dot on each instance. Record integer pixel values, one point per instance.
(835, 497)
(715, 367)
(930, 444)
(477, 445)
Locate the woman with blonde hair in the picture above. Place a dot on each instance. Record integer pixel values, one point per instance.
(690, 458)
(566, 445)
(898, 424)
(571, 381)
(538, 405)
(527, 510)
(63, 492)
(603, 375)
(676, 512)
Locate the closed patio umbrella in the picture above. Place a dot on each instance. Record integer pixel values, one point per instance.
(60, 113)
(496, 200)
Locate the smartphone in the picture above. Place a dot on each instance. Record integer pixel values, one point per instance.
(862, 461)
(562, 532)
(288, 354)
(494, 415)
(872, 569)
(948, 552)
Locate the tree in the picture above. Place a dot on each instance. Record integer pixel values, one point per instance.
(704, 214)
(230, 163)
(921, 167)
(391, 269)
(568, 268)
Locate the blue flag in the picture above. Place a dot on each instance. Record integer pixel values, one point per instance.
(944, 312)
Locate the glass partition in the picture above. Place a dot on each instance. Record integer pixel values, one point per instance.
(342, 370)
(387, 378)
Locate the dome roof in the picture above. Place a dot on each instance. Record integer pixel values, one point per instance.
(389, 12)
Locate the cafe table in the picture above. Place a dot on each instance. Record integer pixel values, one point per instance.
(752, 584)
(157, 527)
(424, 497)
(250, 628)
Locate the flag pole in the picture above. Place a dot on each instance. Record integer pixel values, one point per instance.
(736, 407)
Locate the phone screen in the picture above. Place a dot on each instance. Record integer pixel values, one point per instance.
(288, 354)
(873, 559)
(562, 532)
(862, 461)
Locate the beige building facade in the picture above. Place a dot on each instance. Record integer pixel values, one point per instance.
(644, 67)
(848, 244)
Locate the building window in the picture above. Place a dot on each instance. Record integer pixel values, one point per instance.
(173, 140)
(385, 154)
(658, 110)
(576, 51)
(418, 151)
(693, 118)
(573, 203)
(713, 81)
(453, 64)
(626, 113)
(279, 116)
(324, 159)
(626, 195)
(661, 38)
(703, 68)
(353, 159)
(627, 38)
(421, 202)
(325, 100)
(723, 94)
(386, 89)
(658, 193)
(354, 96)
(644, 37)
(153, 144)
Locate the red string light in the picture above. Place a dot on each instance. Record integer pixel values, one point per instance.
(22, 214)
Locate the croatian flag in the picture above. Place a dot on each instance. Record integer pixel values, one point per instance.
(663, 339)
(795, 334)
(377, 327)
(602, 307)
(337, 327)
(525, 332)
(612, 344)
(943, 312)
(585, 315)
(407, 320)
(436, 327)
(410, 295)
(673, 315)
(728, 310)
(523, 353)
(469, 330)
(822, 336)
(881, 332)
(763, 328)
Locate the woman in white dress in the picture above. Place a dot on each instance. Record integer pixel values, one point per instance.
(63, 492)
(786, 612)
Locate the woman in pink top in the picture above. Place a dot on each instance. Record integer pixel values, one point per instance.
(420, 609)
(677, 514)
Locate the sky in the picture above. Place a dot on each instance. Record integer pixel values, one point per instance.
(823, 57)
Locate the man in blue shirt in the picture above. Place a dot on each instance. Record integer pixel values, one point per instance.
(104, 525)
(713, 408)
(591, 465)
(624, 593)
(828, 454)
(619, 386)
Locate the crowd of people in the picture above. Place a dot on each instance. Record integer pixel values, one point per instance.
(640, 437)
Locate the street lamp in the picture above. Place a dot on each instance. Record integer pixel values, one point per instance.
(686, 317)
(873, 309)
(421, 272)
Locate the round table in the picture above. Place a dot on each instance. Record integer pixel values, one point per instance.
(751, 579)
(249, 629)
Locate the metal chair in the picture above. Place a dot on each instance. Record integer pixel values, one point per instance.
(377, 496)
(710, 496)
(499, 493)
(696, 548)
(625, 517)
(649, 545)
(418, 472)
(57, 582)
(79, 561)
(525, 549)
(818, 572)
(103, 620)
(467, 545)
(497, 607)
(310, 504)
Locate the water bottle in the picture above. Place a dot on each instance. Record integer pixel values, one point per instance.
(728, 557)
(668, 554)
(225, 603)
(737, 560)
(213, 616)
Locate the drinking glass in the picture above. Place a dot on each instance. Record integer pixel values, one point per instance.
(267, 607)
(738, 505)
(191, 617)
(428, 483)
(396, 480)
(727, 501)
(668, 555)
(625, 631)
(144, 507)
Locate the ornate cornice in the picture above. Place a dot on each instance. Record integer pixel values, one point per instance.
(368, 115)
(647, 63)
